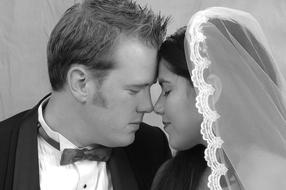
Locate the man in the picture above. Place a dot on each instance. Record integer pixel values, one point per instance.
(102, 58)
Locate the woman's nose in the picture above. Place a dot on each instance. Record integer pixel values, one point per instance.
(159, 107)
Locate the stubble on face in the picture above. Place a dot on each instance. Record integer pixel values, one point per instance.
(99, 99)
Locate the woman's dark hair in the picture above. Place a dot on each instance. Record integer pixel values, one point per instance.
(184, 171)
(172, 50)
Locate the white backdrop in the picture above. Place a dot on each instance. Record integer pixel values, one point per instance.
(25, 26)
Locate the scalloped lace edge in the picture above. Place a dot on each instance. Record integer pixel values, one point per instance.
(205, 90)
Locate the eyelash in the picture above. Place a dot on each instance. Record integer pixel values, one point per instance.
(166, 93)
(133, 92)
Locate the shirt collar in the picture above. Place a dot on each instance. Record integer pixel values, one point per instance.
(64, 142)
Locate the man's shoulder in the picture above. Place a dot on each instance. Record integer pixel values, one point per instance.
(9, 129)
(15, 121)
(12, 122)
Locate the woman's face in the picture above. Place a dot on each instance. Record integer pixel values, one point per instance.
(176, 105)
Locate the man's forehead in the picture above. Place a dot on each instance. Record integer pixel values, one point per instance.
(135, 64)
(141, 84)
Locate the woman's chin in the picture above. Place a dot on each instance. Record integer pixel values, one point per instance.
(181, 146)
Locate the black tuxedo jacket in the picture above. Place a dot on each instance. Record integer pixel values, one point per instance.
(132, 167)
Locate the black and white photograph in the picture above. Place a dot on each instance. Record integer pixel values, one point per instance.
(142, 95)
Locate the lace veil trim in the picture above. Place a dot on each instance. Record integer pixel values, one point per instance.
(196, 38)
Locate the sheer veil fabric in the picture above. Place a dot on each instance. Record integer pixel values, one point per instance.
(241, 95)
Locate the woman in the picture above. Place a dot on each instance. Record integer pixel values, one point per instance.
(222, 68)
(176, 105)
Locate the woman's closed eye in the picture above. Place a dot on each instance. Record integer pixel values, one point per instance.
(133, 92)
(166, 92)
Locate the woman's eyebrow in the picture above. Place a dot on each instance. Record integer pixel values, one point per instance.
(162, 81)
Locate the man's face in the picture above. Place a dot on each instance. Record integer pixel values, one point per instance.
(117, 106)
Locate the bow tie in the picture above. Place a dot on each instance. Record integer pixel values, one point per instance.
(69, 156)
(96, 153)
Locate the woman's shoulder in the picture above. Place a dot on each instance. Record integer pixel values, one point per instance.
(183, 171)
(160, 173)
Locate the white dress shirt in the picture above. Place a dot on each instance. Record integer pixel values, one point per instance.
(85, 175)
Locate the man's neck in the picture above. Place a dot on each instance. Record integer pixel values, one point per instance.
(60, 114)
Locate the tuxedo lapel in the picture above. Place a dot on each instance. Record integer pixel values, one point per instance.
(122, 175)
(26, 174)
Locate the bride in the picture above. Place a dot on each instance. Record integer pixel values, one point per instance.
(219, 79)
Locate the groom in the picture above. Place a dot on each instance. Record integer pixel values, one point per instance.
(87, 134)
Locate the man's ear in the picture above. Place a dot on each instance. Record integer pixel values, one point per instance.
(77, 78)
(217, 85)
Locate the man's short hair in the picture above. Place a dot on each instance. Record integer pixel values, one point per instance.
(87, 31)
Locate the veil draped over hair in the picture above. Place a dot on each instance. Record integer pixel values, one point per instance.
(241, 95)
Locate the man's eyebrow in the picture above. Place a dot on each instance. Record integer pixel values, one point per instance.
(143, 85)
(162, 81)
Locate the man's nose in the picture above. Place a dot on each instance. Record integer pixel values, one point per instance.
(146, 105)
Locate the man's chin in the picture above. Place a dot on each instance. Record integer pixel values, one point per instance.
(130, 139)
(133, 127)
(127, 140)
